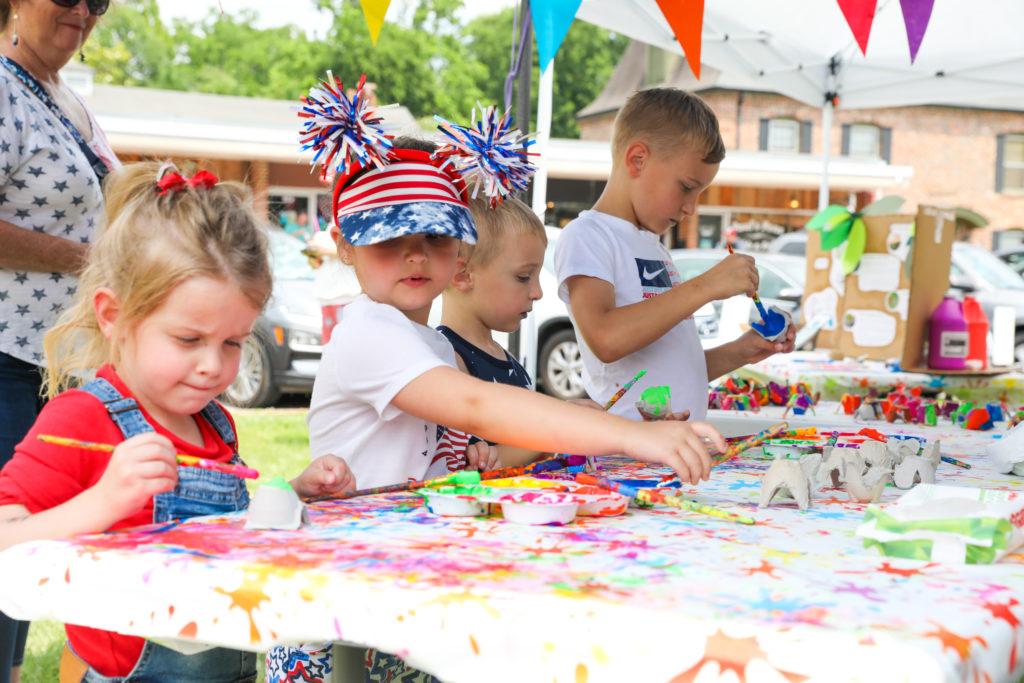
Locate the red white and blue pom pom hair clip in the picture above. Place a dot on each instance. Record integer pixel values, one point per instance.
(382, 192)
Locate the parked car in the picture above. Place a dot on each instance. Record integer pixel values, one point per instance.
(283, 353)
(973, 271)
(992, 282)
(792, 243)
(559, 363)
(1014, 258)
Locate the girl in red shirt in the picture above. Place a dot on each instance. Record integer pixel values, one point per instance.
(171, 291)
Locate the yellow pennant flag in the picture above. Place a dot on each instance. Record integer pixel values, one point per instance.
(374, 11)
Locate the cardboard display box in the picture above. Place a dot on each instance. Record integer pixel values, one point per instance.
(881, 309)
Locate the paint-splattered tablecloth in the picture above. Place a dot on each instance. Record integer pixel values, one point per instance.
(654, 595)
(833, 378)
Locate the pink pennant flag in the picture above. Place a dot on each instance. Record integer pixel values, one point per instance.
(859, 16)
(916, 14)
(686, 18)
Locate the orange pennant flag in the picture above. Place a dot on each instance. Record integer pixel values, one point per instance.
(686, 18)
(374, 11)
(859, 16)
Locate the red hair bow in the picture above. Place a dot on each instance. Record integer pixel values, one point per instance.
(175, 182)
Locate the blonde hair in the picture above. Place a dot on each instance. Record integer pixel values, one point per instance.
(510, 218)
(150, 244)
(668, 120)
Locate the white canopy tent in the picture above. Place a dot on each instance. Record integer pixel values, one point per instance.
(972, 54)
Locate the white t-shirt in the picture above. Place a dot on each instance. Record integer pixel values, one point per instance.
(639, 267)
(374, 352)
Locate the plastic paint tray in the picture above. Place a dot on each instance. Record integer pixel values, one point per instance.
(789, 450)
(597, 502)
(593, 501)
(453, 504)
(529, 483)
(529, 507)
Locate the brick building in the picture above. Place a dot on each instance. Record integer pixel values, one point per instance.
(971, 159)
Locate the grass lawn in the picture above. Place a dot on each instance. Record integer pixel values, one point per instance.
(274, 441)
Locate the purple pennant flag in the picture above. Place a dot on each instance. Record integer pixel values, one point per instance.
(916, 14)
(551, 20)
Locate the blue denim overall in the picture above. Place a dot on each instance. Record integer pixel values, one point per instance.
(199, 492)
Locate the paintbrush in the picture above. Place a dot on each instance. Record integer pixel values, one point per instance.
(591, 463)
(773, 322)
(752, 441)
(183, 460)
(461, 478)
(953, 461)
(621, 392)
(649, 496)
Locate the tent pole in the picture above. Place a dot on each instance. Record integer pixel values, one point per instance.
(545, 94)
(826, 150)
(545, 88)
(523, 68)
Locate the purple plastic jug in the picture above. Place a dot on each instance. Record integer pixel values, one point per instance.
(947, 339)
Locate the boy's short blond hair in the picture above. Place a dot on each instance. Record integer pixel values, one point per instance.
(510, 218)
(668, 120)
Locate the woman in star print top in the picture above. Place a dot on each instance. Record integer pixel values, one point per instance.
(53, 158)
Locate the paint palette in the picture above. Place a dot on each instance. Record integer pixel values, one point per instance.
(448, 502)
(597, 502)
(532, 507)
(593, 501)
(788, 449)
(526, 501)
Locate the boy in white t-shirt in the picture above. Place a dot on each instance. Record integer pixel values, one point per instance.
(630, 308)
(387, 380)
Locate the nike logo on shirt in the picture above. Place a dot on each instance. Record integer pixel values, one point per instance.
(654, 274)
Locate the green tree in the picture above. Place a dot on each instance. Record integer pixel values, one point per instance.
(225, 54)
(423, 67)
(426, 62)
(131, 46)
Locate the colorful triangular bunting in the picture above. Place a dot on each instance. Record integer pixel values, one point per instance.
(859, 16)
(916, 14)
(686, 18)
(551, 20)
(374, 11)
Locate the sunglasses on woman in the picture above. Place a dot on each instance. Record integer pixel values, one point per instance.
(96, 7)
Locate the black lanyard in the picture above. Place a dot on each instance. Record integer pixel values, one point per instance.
(30, 82)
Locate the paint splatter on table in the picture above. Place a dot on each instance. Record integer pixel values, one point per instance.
(653, 595)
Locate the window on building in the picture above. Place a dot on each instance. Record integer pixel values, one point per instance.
(1010, 163)
(866, 141)
(783, 135)
(659, 64)
(786, 136)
